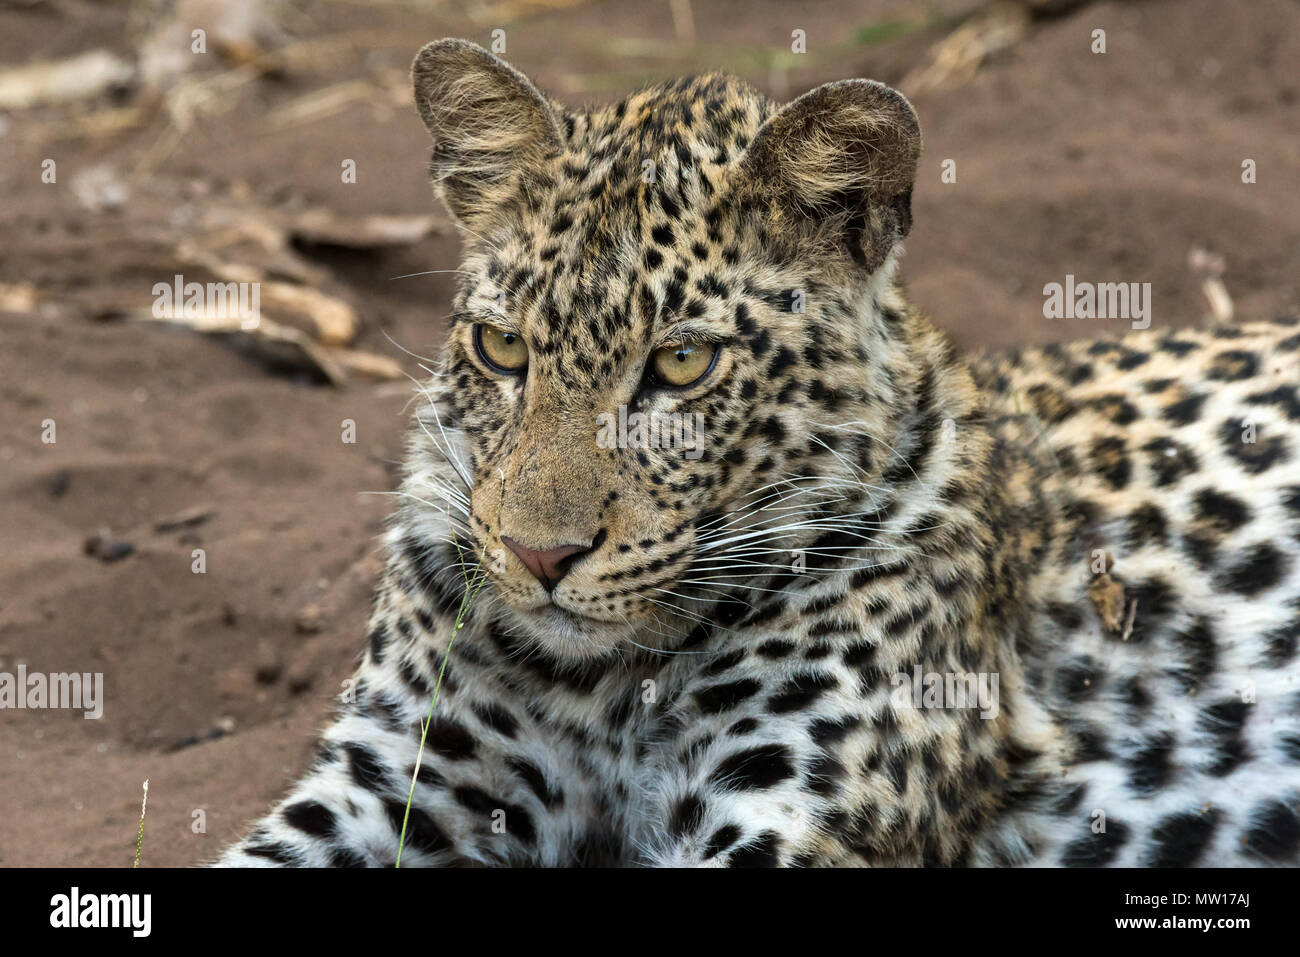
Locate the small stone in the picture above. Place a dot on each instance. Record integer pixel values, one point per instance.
(116, 551)
(59, 483)
(97, 546)
(299, 680)
(268, 667)
(267, 673)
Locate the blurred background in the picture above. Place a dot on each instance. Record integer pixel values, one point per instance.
(279, 145)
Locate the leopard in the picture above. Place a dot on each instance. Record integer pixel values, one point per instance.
(862, 600)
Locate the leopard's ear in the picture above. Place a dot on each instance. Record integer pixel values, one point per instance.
(487, 121)
(841, 158)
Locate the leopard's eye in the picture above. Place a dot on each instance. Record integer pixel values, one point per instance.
(683, 363)
(500, 350)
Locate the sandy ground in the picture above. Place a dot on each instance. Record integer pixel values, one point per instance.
(1112, 167)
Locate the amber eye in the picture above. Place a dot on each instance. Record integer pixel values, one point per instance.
(683, 363)
(501, 351)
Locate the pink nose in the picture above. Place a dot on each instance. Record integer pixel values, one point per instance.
(548, 565)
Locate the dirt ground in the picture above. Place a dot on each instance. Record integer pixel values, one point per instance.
(1113, 167)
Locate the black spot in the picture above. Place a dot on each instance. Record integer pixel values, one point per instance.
(1257, 456)
(720, 840)
(1185, 411)
(311, 818)
(784, 358)
(1151, 764)
(824, 775)
(762, 852)
(1226, 720)
(1169, 461)
(898, 771)
(450, 739)
(1069, 802)
(1110, 460)
(1260, 568)
(1177, 347)
(1223, 512)
(1179, 840)
(1289, 745)
(341, 857)
(719, 665)
(755, 768)
(1281, 644)
(1090, 743)
(859, 654)
(1131, 360)
(280, 853)
(826, 731)
(599, 848)
(687, 816)
(776, 648)
(1097, 850)
(1291, 499)
(378, 641)
(1232, 365)
(518, 822)
(723, 697)
(1115, 408)
(876, 572)
(1275, 830)
(422, 834)
(426, 775)
(1065, 615)
(800, 692)
(535, 780)
(365, 768)
(743, 726)
(1135, 696)
(1155, 602)
(1147, 524)
(498, 719)
(1284, 396)
(1199, 651)
(1078, 679)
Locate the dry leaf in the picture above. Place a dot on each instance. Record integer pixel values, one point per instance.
(82, 77)
(321, 226)
(1108, 598)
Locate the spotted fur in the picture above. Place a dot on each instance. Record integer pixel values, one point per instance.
(722, 678)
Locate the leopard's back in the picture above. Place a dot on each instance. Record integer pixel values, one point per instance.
(1166, 645)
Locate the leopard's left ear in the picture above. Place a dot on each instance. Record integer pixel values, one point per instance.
(841, 157)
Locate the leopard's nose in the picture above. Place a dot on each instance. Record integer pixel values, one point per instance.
(548, 565)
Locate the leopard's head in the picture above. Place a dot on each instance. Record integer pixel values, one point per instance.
(670, 356)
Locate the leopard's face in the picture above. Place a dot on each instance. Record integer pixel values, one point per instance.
(649, 354)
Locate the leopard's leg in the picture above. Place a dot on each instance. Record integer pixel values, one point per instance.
(742, 780)
(488, 790)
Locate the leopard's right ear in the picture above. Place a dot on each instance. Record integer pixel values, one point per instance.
(839, 162)
(487, 121)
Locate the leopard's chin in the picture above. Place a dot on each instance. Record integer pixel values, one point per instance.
(572, 636)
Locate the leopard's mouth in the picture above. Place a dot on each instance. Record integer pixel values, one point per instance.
(567, 633)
